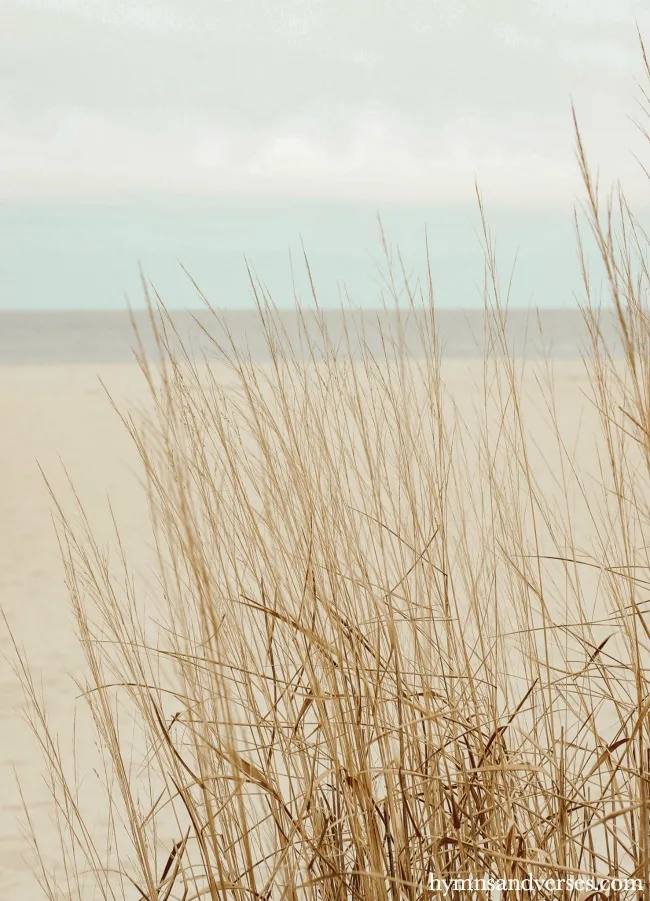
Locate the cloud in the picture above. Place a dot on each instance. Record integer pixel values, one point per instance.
(75, 152)
(593, 12)
(148, 15)
(602, 56)
(379, 99)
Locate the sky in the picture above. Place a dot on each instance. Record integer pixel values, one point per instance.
(303, 118)
(385, 101)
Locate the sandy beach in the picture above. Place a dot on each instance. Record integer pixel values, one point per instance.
(54, 415)
(49, 415)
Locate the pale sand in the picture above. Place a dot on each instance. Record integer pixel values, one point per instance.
(50, 412)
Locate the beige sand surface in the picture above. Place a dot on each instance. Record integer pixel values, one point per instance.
(46, 413)
(52, 412)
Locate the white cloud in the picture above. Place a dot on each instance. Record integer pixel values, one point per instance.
(376, 98)
(72, 152)
(150, 15)
(593, 12)
(602, 56)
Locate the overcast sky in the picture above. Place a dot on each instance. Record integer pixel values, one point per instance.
(382, 100)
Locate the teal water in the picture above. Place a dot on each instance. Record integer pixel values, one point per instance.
(86, 256)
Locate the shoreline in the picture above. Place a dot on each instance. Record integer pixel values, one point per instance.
(106, 337)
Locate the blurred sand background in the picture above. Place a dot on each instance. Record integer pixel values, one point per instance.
(53, 411)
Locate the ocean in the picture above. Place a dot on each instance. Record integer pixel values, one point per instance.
(86, 256)
(106, 337)
(68, 271)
